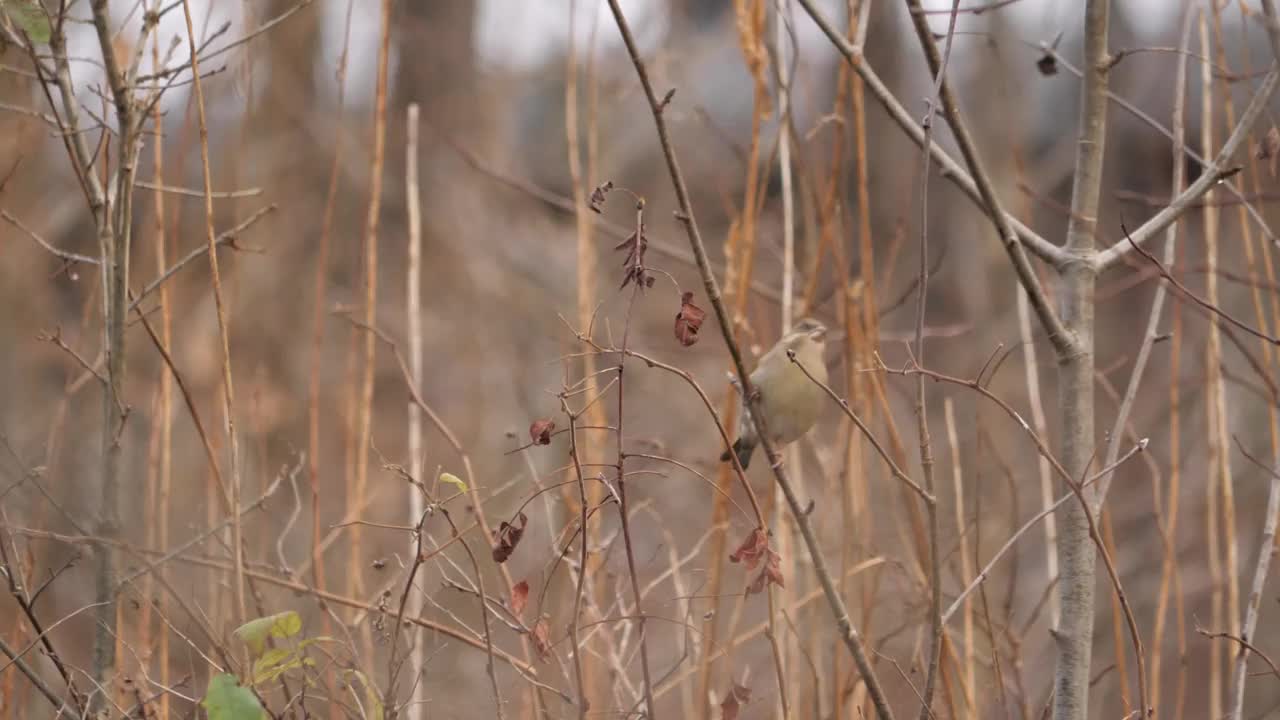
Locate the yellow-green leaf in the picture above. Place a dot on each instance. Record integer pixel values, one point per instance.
(454, 480)
(274, 662)
(281, 625)
(374, 706)
(227, 700)
(31, 18)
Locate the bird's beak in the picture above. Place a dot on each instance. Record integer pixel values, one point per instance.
(819, 335)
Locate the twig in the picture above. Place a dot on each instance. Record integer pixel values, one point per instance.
(193, 65)
(293, 514)
(524, 668)
(1077, 489)
(413, 291)
(237, 535)
(650, 708)
(1186, 292)
(1266, 548)
(1214, 172)
(226, 237)
(449, 437)
(584, 516)
(866, 431)
(36, 681)
(950, 169)
(848, 633)
(939, 69)
(320, 285)
(784, 538)
(1246, 647)
(1170, 256)
(364, 419)
(61, 254)
(201, 537)
(986, 570)
(17, 588)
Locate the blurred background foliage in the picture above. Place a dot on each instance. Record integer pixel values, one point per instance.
(501, 265)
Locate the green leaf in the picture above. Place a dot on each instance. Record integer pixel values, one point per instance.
(31, 18)
(227, 700)
(373, 709)
(281, 625)
(273, 664)
(454, 480)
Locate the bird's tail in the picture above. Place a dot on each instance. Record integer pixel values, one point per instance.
(743, 448)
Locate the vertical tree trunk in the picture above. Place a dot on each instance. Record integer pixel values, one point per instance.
(1077, 555)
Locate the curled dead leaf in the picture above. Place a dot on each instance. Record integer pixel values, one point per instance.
(770, 573)
(733, 701)
(751, 549)
(540, 431)
(519, 597)
(542, 638)
(773, 569)
(507, 536)
(1047, 64)
(597, 195)
(688, 320)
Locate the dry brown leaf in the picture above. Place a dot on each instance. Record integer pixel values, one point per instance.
(733, 701)
(540, 431)
(751, 549)
(688, 320)
(597, 196)
(542, 638)
(770, 573)
(507, 536)
(519, 597)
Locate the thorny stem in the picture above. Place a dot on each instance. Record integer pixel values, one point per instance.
(650, 710)
(848, 633)
(582, 562)
(922, 408)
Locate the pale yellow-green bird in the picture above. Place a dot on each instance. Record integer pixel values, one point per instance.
(790, 401)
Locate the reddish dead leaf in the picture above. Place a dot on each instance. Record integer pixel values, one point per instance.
(751, 549)
(771, 573)
(688, 320)
(597, 196)
(540, 431)
(773, 569)
(542, 638)
(519, 597)
(507, 536)
(733, 701)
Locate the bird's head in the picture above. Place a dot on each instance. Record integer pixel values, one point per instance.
(807, 329)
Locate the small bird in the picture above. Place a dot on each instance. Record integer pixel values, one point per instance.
(790, 401)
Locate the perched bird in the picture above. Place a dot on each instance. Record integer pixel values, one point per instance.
(790, 401)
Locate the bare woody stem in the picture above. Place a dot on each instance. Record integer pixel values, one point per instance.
(848, 633)
(1077, 557)
(1240, 672)
(939, 69)
(237, 544)
(650, 710)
